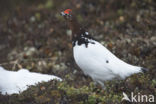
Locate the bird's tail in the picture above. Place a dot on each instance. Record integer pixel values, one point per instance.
(144, 70)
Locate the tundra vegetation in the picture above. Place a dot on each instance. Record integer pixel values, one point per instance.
(33, 35)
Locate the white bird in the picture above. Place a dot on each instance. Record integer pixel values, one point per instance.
(93, 58)
(12, 82)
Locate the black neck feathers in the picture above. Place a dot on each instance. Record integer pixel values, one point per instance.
(82, 38)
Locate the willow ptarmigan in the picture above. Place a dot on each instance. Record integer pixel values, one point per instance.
(93, 58)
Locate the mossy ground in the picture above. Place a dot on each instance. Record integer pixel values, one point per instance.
(35, 35)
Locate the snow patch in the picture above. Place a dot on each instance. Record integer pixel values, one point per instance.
(14, 82)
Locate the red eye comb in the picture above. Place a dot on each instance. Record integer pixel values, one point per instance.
(67, 11)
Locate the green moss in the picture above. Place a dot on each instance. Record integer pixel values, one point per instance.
(38, 16)
(92, 100)
(49, 4)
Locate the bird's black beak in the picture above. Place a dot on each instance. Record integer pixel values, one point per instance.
(62, 14)
(67, 16)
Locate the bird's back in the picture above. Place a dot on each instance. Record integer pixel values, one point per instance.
(98, 62)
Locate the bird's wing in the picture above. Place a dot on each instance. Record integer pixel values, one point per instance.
(110, 61)
(103, 56)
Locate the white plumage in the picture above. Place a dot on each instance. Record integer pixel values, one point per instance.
(93, 58)
(17, 81)
(100, 64)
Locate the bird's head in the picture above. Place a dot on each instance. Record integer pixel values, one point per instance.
(72, 22)
(67, 14)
